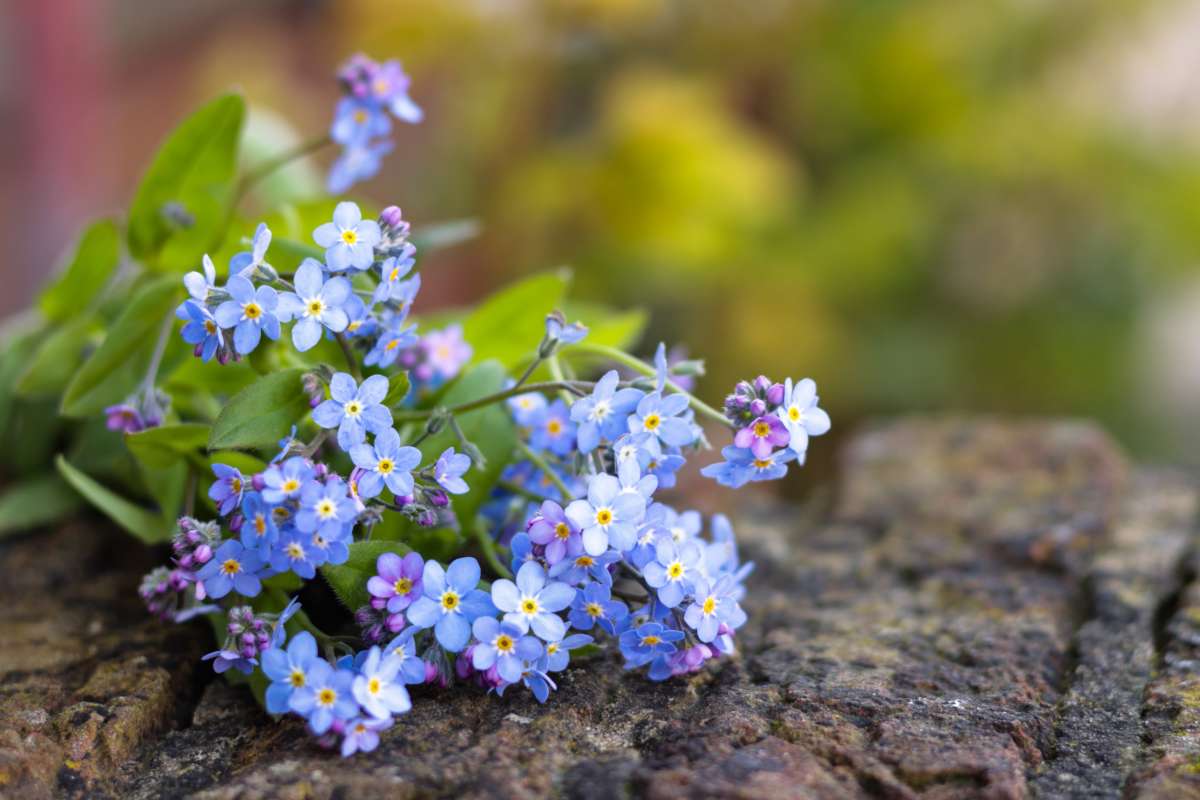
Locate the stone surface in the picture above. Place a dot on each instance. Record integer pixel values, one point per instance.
(980, 609)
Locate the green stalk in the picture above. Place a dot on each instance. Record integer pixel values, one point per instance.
(488, 546)
(487, 400)
(541, 464)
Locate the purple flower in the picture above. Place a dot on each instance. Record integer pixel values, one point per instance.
(552, 529)
(389, 87)
(354, 409)
(532, 603)
(449, 470)
(504, 646)
(386, 463)
(223, 660)
(349, 240)
(250, 312)
(124, 418)
(361, 734)
(376, 687)
(661, 417)
(232, 568)
(446, 352)
(226, 492)
(398, 580)
(593, 605)
(602, 414)
(316, 303)
(762, 436)
(451, 602)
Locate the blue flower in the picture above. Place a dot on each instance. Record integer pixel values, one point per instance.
(361, 322)
(327, 695)
(326, 508)
(393, 341)
(721, 556)
(349, 240)
(226, 492)
(673, 570)
(389, 87)
(557, 329)
(532, 603)
(356, 122)
(387, 463)
(449, 470)
(245, 263)
(356, 163)
(232, 567)
(279, 633)
(608, 517)
(361, 734)
(201, 330)
(602, 414)
(503, 645)
(800, 413)
(283, 482)
(250, 312)
(376, 687)
(585, 568)
(199, 286)
(354, 409)
(293, 552)
(554, 430)
(643, 644)
(527, 408)
(412, 667)
(593, 605)
(712, 606)
(536, 680)
(660, 417)
(558, 654)
(332, 549)
(224, 660)
(552, 529)
(391, 272)
(259, 531)
(451, 602)
(288, 670)
(316, 303)
(741, 467)
(522, 551)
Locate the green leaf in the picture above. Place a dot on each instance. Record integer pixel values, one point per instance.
(18, 349)
(57, 358)
(168, 445)
(398, 388)
(262, 413)
(91, 265)
(440, 235)
(111, 371)
(349, 580)
(35, 502)
(144, 524)
(194, 170)
(509, 324)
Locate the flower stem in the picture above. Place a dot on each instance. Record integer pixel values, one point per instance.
(488, 546)
(160, 347)
(634, 363)
(348, 352)
(271, 164)
(541, 464)
(487, 400)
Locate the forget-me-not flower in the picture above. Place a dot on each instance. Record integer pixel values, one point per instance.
(288, 670)
(386, 463)
(608, 517)
(246, 262)
(451, 602)
(357, 122)
(593, 605)
(358, 162)
(800, 413)
(449, 469)
(349, 240)
(378, 687)
(232, 568)
(250, 312)
(504, 645)
(316, 303)
(201, 330)
(602, 414)
(661, 417)
(532, 603)
(327, 695)
(397, 581)
(673, 570)
(354, 409)
(326, 508)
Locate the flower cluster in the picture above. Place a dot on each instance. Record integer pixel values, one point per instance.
(374, 93)
(582, 550)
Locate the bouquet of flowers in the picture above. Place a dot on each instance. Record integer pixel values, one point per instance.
(360, 502)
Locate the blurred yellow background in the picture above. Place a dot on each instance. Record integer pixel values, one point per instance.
(933, 205)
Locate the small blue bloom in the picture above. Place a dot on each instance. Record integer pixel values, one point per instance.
(327, 696)
(349, 240)
(504, 645)
(527, 408)
(200, 285)
(801, 415)
(226, 492)
(559, 330)
(661, 417)
(389, 87)
(741, 467)
(377, 688)
(288, 670)
(532, 603)
(412, 666)
(201, 330)
(522, 551)
(602, 414)
(451, 602)
(285, 445)
(356, 122)
(712, 606)
(259, 531)
(361, 734)
(449, 470)
(643, 644)
(360, 320)
(317, 303)
(554, 430)
(223, 660)
(558, 654)
(354, 409)
(593, 605)
(536, 680)
(391, 273)
(673, 570)
(392, 342)
(250, 312)
(294, 552)
(583, 568)
(386, 463)
(326, 508)
(283, 482)
(232, 568)
(245, 263)
(608, 517)
(357, 162)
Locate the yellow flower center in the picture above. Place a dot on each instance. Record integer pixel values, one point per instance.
(326, 509)
(231, 566)
(295, 551)
(761, 429)
(395, 273)
(675, 571)
(327, 697)
(210, 327)
(350, 236)
(290, 485)
(315, 307)
(651, 640)
(296, 679)
(584, 561)
(762, 463)
(651, 422)
(794, 413)
(402, 586)
(529, 605)
(594, 610)
(252, 311)
(373, 686)
(360, 116)
(709, 606)
(260, 524)
(392, 345)
(604, 516)
(562, 530)
(450, 600)
(552, 648)
(385, 466)
(504, 643)
(353, 408)
(398, 650)
(236, 485)
(554, 427)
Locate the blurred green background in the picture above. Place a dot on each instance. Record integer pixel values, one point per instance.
(934, 205)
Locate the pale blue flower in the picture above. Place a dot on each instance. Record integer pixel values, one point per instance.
(349, 240)
(316, 303)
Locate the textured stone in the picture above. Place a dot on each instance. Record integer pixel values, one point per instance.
(984, 609)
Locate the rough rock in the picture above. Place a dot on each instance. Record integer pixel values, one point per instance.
(981, 608)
